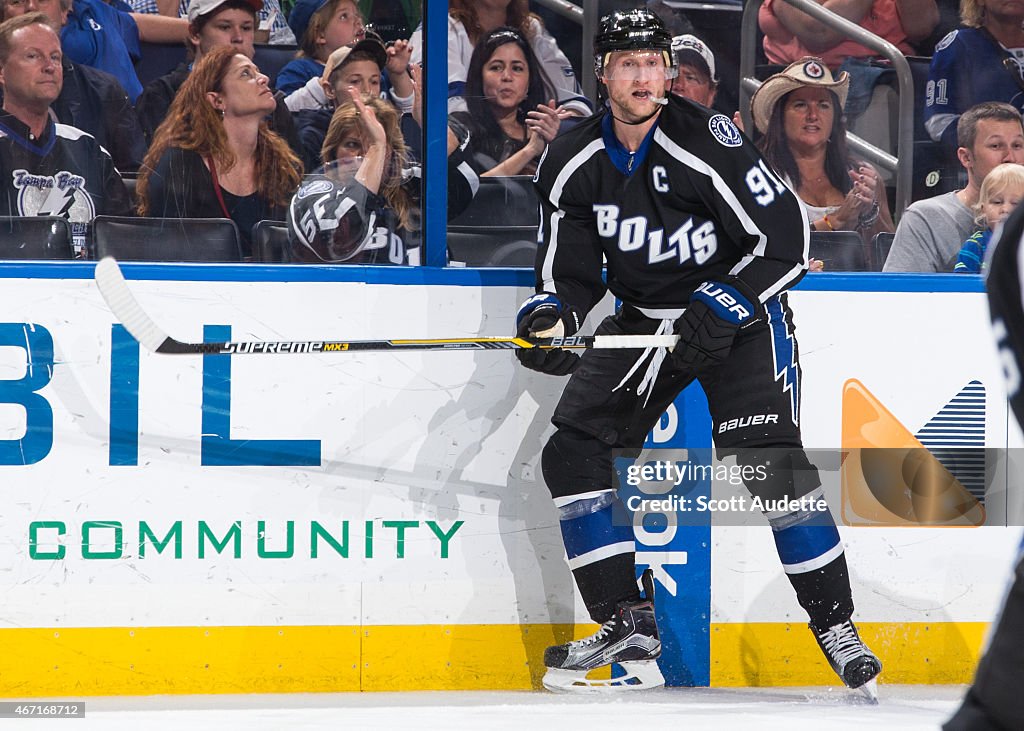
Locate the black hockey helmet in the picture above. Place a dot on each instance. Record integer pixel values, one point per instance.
(631, 30)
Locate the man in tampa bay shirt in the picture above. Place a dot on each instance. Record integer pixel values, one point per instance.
(48, 169)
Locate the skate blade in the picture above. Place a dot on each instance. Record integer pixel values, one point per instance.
(870, 691)
(639, 675)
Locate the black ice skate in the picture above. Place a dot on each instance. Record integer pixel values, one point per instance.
(630, 639)
(850, 657)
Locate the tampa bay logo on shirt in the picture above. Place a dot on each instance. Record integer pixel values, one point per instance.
(63, 194)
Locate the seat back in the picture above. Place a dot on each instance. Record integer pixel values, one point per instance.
(270, 242)
(166, 239)
(499, 227)
(493, 246)
(882, 243)
(158, 59)
(502, 201)
(936, 171)
(271, 59)
(841, 251)
(35, 237)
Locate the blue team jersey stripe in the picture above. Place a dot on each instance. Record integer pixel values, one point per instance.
(801, 543)
(595, 531)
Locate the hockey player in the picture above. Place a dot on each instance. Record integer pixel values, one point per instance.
(700, 238)
(994, 701)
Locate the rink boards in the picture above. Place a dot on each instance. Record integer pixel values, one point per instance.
(377, 521)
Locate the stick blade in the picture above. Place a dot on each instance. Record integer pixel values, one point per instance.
(125, 307)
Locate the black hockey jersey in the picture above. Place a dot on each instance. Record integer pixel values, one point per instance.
(696, 201)
(64, 172)
(1003, 284)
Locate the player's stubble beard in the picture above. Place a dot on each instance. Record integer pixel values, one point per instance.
(630, 110)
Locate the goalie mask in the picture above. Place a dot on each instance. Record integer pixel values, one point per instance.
(637, 30)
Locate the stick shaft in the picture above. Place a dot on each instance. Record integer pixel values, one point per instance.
(127, 309)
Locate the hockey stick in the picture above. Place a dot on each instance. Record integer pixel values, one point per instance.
(126, 308)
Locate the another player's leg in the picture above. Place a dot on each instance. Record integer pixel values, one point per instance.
(994, 701)
(763, 377)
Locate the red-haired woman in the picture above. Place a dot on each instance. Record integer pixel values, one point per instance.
(214, 156)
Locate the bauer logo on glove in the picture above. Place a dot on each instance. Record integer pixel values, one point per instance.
(728, 298)
(717, 311)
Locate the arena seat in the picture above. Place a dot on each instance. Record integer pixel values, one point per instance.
(270, 242)
(158, 59)
(166, 239)
(882, 243)
(841, 251)
(502, 200)
(499, 228)
(35, 237)
(492, 246)
(934, 170)
(271, 59)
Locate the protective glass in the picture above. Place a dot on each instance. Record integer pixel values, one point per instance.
(638, 66)
(343, 170)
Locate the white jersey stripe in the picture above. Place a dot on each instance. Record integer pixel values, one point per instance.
(815, 563)
(579, 159)
(599, 554)
(723, 189)
(573, 165)
(547, 269)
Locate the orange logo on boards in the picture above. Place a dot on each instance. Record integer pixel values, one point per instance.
(889, 477)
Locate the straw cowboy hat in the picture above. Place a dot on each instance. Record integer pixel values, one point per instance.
(808, 71)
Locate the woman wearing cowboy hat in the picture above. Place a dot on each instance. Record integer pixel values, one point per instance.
(799, 112)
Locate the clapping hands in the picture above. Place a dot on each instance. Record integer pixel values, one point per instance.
(542, 126)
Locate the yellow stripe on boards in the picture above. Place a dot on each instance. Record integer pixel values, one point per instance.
(778, 654)
(169, 660)
(176, 660)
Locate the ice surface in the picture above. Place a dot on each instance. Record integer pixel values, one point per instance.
(681, 709)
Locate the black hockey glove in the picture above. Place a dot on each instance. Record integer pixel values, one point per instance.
(717, 311)
(544, 315)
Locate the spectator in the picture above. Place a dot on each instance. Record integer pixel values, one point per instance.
(932, 230)
(509, 121)
(92, 100)
(1001, 191)
(360, 210)
(470, 20)
(211, 24)
(799, 113)
(106, 36)
(320, 26)
(350, 68)
(214, 156)
(272, 26)
(973, 65)
(695, 76)
(51, 169)
(791, 34)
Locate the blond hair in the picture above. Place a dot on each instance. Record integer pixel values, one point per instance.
(972, 13)
(345, 122)
(1007, 176)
